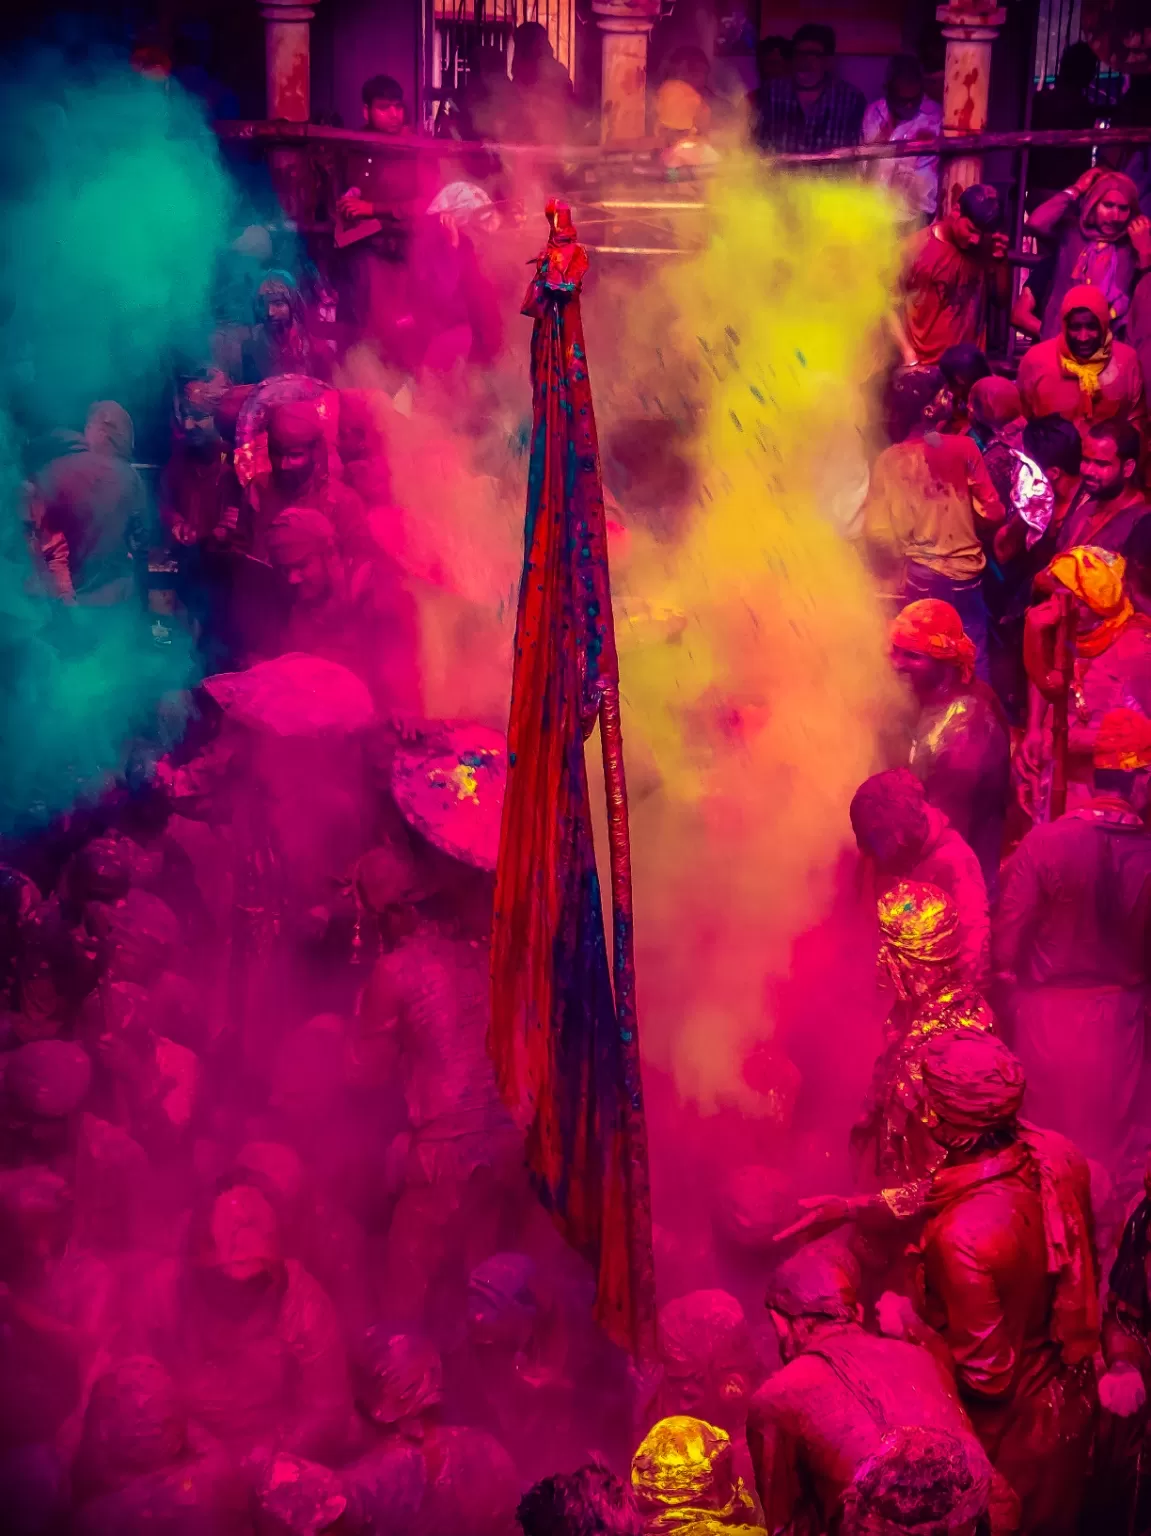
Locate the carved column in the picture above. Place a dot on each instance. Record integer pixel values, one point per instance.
(970, 28)
(288, 66)
(626, 26)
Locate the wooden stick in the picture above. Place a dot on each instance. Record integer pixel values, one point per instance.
(1060, 705)
(623, 975)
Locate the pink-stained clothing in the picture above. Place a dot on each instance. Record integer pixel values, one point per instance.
(988, 1292)
(1046, 389)
(950, 863)
(1082, 256)
(824, 1413)
(945, 293)
(1119, 678)
(1073, 932)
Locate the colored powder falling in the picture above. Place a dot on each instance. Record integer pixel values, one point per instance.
(753, 650)
(114, 206)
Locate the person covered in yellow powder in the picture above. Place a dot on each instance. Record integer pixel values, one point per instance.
(920, 959)
(685, 1484)
(1112, 667)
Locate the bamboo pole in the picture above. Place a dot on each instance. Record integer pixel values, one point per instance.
(643, 150)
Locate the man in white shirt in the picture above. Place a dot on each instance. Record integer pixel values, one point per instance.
(903, 112)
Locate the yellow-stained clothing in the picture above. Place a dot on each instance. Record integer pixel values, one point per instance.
(921, 506)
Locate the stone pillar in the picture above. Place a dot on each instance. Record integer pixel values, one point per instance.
(288, 66)
(626, 25)
(970, 28)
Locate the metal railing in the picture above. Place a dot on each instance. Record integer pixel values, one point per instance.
(634, 206)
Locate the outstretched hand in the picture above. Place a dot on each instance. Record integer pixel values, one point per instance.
(822, 1213)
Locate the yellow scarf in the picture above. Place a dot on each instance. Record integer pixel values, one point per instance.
(1087, 373)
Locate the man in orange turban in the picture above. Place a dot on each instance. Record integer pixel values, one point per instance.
(960, 748)
(1073, 943)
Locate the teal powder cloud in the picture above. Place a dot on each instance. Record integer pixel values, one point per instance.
(113, 208)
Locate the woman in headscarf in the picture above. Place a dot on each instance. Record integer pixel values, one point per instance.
(1112, 660)
(280, 340)
(685, 1483)
(1082, 373)
(1092, 225)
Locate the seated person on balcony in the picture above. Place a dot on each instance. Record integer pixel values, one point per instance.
(811, 109)
(541, 105)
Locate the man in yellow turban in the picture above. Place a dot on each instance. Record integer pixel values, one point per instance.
(1112, 662)
(919, 958)
(685, 1483)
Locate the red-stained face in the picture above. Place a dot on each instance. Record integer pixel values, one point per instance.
(1112, 214)
(385, 116)
(279, 313)
(1104, 472)
(292, 466)
(1084, 334)
(924, 674)
(308, 578)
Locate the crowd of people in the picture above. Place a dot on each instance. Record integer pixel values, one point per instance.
(269, 1257)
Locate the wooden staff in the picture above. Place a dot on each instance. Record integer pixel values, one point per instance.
(1060, 703)
(623, 977)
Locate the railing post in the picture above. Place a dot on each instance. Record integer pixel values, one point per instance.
(288, 70)
(626, 26)
(970, 28)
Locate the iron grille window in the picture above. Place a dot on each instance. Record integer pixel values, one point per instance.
(455, 31)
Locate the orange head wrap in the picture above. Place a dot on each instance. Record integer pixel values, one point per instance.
(1085, 296)
(1124, 741)
(930, 627)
